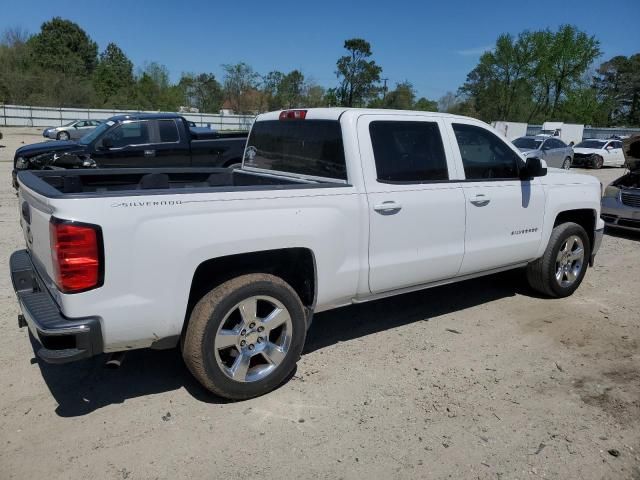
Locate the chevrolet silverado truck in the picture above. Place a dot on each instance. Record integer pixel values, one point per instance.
(136, 141)
(331, 207)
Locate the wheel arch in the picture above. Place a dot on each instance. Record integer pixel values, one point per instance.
(585, 217)
(297, 266)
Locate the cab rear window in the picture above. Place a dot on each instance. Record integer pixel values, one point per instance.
(303, 147)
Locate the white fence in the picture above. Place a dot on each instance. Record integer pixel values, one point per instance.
(25, 116)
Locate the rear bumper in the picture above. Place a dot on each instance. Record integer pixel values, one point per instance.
(60, 339)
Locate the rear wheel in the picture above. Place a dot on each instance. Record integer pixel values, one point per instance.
(567, 163)
(245, 336)
(559, 272)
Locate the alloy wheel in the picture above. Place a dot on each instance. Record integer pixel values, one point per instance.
(570, 261)
(253, 339)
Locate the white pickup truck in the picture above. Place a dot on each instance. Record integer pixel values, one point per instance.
(330, 207)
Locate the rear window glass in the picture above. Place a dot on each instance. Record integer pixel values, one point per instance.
(168, 131)
(408, 151)
(305, 147)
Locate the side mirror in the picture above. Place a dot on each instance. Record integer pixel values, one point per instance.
(107, 143)
(534, 167)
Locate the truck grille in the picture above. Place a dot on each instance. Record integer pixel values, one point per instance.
(630, 199)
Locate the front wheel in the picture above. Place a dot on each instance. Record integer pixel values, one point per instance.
(598, 162)
(245, 336)
(567, 163)
(562, 267)
(63, 136)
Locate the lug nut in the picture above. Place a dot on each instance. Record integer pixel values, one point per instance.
(251, 347)
(261, 329)
(243, 332)
(243, 343)
(259, 339)
(252, 325)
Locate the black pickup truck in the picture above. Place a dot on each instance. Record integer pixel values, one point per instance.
(136, 141)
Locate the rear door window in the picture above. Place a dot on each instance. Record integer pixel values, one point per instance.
(484, 155)
(168, 131)
(305, 147)
(408, 151)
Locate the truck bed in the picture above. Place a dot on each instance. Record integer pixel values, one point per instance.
(145, 181)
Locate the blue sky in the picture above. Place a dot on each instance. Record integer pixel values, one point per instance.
(432, 44)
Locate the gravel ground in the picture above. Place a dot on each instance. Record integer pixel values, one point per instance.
(482, 379)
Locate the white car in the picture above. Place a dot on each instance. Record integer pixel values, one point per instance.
(597, 153)
(332, 206)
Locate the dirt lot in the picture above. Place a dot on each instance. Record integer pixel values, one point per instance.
(482, 379)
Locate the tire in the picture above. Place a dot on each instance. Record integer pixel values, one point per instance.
(218, 329)
(598, 162)
(542, 273)
(566, 165)
(63, 136)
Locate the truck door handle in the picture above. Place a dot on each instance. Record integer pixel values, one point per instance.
(387, 208)
(149, 153)
(480, 200)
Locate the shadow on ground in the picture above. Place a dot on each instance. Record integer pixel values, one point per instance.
(621, 233)
(83, 387)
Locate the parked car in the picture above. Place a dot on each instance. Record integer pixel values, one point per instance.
(550, 149)
(597, 153)
(73, 130)
(332, 206)
(621, 199)
(135, 141)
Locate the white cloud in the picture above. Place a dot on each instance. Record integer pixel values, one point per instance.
(477, 51)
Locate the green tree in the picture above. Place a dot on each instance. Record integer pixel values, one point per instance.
(202, 91)
(527, 78)
(358, 76)
(271, 90)
(292, 89)
(314, 95)
(63, 47)
(113, 78)
(425, 105)
(402, 97)
(618, 85)
(240, 86)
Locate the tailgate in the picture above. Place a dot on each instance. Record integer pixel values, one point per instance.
(35, 214)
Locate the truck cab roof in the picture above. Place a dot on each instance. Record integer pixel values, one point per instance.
(334, 113)
(143, 116)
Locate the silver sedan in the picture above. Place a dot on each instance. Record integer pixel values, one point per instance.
(550, 149)
(71, 131)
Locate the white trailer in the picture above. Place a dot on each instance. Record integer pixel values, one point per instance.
(567, 132)
(510, 130)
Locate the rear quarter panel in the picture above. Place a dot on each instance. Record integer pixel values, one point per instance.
(154, 243)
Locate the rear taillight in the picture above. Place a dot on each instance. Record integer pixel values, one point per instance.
(293, 114)
(76, 250)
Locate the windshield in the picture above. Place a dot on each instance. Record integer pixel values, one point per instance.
(95, 133)
(527, 143)
(591, 144)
